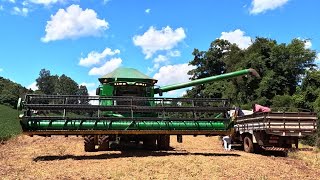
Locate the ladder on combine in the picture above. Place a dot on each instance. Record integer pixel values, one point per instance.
(95, 115)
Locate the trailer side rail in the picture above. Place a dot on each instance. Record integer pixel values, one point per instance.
(278, 123)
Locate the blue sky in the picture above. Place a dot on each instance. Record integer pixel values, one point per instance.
(87, 39)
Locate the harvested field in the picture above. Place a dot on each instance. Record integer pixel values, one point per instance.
(196, 158)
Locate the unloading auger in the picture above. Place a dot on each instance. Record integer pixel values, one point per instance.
(125, 111)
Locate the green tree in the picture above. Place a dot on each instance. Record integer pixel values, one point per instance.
(45, 82)
(66, 86)
(10, 92)
(281, 67)
(220, 55)
(83, 91)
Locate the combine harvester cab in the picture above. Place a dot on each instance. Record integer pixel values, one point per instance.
(125, 112)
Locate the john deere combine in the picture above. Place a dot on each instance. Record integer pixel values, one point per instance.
(126, 112)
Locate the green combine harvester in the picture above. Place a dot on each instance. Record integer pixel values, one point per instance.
(125, 112)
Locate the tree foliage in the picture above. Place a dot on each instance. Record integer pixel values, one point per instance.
(281, 67)
(289, 77)
(83, 91)
(65, 86)
(45, 82)
(10, 92)
(58, 85)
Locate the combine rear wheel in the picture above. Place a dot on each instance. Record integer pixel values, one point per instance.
(163, 142)
(103, 143)
(248, 145)
(89, 145)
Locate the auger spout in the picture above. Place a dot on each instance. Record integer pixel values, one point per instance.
(207, 80)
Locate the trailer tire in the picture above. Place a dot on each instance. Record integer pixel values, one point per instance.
(248, 145)
(89, 145)
(103, 143)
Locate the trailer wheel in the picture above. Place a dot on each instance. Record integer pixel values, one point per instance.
(248, 145)
(103, 143)
(89, 145)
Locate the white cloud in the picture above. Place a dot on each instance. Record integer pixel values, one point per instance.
(155, 40)
(237, 37)
(171, 74)
(147, 11)
(160, 58)
(107, 67)
(46, 2)
(92, 93)
(12, 1)
(177, 93)
(88, 85)
(20, 11)
(106, 1)
(73, 23)
(25, 3)
(163, 59)
(154, 68)
(260, 6)
(307, 44)
(317, 61)
(96, 57)
(33, 86)
(174, 53)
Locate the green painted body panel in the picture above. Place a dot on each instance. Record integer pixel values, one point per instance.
(106, 90)
(126, 75)
(123, 125)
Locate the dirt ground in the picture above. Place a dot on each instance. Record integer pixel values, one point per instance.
(196, 158)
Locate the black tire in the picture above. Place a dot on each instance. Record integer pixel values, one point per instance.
(103, 143)
(284, 153)
(248, 145)
(163, 142)
(257, 148)
(89, 145)
(221, 141)
(149, 142)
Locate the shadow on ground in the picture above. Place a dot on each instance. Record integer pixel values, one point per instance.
(125, 154)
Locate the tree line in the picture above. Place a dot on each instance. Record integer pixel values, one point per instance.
(290, 78)
(49, 84)
(58, 85)
(11, 91)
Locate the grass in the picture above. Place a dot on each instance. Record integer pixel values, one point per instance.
(311, 158)
(9, 123)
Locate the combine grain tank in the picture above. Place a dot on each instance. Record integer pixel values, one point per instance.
(125, 112)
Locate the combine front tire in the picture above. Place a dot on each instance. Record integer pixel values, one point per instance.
(163, 142)
(103, 143)
(248, 145)
(89, 145)
(149, 142)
